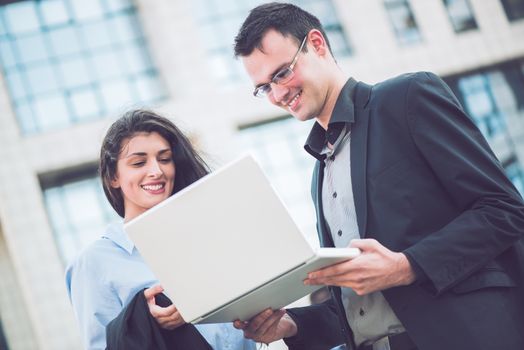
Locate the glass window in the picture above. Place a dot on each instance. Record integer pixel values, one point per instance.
(21, 17)
(86, 10)
(81, 59)
(147, 88)
(85, 103)
(514, 9)
(493, 98)
(75, 72)
(15, 84)
(54, 12)
(460, 15)
(136, 58)
(117, 94)
(219, 22)
(118, 5)
(95, 35)
(42, 78)
(78, 211)
(516, 174)
(477, 93)
(514, 74)
(51, 110)
(7, 54)
(3, 30)
(403, 21)
(23, 110)
(107, 64)
(64, 41)
(125, 28)
(278, 147)
(31, 48)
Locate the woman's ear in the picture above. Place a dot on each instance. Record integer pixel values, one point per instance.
(115, 182)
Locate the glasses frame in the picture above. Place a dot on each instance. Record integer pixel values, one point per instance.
(283, 76)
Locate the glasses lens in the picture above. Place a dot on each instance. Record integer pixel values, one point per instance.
(283, 76)
(262, 90)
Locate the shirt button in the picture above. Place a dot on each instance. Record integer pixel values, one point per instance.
(361, 312)
(334, 195)
(339, 233)
(332, 157)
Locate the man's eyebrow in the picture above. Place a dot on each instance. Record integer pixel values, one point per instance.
(282, 66)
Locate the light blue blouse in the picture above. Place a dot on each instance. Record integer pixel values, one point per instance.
(104, 278)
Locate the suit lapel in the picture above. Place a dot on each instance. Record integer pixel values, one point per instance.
(358, 154)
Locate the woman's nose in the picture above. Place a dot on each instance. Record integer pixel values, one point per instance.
(154, 168)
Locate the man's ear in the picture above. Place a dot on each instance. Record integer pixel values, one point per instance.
(318, 42)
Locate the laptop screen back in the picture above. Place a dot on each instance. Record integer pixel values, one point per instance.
(219, 238)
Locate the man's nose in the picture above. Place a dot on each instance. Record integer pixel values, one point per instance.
(279, 92)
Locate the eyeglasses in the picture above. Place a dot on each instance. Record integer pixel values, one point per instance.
(281, 77)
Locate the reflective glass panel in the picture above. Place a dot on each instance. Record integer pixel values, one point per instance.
(460, 14)
(54, 12)
(21, 17)
(74, 50)
(78, 212)
(278, 147)
(219, 22)
(403, 21)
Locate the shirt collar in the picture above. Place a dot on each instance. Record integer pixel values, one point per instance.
(343, 114)
(115, 232)
(335, 146)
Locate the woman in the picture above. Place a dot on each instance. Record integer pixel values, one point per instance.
(144, 159)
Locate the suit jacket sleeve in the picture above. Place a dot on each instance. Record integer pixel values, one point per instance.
(318, 327)
(492, 217)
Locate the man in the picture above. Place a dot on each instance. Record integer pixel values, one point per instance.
(405, 175)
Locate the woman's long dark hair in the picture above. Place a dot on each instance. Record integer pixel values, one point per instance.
(189, 165)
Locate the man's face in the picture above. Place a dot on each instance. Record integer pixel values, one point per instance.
(303, 96)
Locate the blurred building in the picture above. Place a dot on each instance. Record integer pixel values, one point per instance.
(69, 67)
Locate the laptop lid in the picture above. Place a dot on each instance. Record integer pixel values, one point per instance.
(219, 238)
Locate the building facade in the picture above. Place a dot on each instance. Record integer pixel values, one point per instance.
(70, 67)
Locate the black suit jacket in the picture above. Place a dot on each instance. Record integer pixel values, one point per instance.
(426, 183)
(135, 329)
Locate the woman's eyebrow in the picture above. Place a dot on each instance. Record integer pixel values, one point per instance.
(142, 154)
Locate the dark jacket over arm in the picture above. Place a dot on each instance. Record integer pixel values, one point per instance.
(318, 327)
(135, 329)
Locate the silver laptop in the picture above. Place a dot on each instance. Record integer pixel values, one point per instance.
(226, 248)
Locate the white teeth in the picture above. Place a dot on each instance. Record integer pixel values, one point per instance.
(294, 99)
(153, 187)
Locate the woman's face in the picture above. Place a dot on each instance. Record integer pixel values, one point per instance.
(145, 172)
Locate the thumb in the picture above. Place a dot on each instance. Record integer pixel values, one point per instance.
(364, 244)
(150, 293)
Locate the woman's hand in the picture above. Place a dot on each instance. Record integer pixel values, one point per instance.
(166, 317)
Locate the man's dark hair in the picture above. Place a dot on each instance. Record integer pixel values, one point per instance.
(189, 165)
(287, 19)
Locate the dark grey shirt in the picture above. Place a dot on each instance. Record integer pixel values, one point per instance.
(369, 316)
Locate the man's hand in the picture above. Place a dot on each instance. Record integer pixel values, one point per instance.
(376, 268)
(268, 326)
(166, 317)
